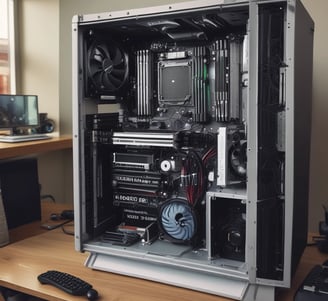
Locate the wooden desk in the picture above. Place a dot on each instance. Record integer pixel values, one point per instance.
(18, 149)
(23, 261)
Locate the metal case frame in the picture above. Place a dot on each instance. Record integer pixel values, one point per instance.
(246, 280)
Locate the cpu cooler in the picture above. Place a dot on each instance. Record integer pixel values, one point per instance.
(178, 221)
(107, 67)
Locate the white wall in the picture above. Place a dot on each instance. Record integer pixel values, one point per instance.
(319, 160)
(38, 30)
(39, 52)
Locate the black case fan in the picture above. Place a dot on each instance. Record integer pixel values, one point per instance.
(107, 67)
(232, 236)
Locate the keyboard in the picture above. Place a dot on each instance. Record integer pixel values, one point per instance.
(69, 284)
(23, 138)
(315, 285)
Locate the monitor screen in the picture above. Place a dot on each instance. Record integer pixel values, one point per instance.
(18, 111)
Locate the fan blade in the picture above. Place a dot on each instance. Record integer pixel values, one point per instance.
(119, 73)
(97, 55)
(117, 57)
(114, 80)
(104, 49)
(94, 68)
(97, 79)
(101, 52)
(108, 83)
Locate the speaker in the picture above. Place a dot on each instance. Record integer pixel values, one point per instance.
(4, 235)
(46, 125)
(20, 191)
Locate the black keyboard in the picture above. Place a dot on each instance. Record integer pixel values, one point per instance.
(68, 283)
(315, 285)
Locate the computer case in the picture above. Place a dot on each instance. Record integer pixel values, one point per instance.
(191, 143)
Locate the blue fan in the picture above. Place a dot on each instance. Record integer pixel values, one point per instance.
(178, 220)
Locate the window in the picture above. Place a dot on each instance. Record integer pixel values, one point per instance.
(7, 47)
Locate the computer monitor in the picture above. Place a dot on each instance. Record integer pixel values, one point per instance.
(18, 111)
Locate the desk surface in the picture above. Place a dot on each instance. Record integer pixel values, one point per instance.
(21, 262)
(12, 150)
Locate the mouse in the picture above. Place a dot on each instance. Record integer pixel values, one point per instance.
(92, 294)
(55, 217)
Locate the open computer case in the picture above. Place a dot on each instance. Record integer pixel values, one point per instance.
(191, 141)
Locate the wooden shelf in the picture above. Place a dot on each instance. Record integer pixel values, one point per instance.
(19, 149)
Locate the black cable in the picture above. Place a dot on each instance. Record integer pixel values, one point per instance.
(63, 227)
(48, 196)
